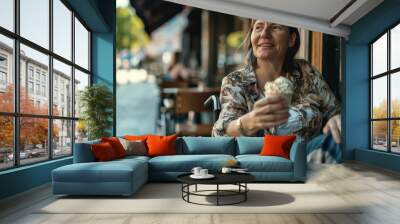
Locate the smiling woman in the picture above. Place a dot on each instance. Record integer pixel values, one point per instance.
(246, 110)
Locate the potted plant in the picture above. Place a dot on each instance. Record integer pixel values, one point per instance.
(96, 102)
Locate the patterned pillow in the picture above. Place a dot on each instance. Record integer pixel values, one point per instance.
(134, 147)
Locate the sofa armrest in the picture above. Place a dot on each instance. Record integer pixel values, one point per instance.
(83, 153)
(298, 156)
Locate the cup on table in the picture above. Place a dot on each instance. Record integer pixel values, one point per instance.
(226, 170)
(203, 172)
(196, 170)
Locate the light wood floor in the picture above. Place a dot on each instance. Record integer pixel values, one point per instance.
(377, 188)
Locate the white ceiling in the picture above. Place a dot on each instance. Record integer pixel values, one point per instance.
(316, 15)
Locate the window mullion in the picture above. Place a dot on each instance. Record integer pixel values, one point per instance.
(50, 81)
(389, 94)
(73, 82)
(16, 84)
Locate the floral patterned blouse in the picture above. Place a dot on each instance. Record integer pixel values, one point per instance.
(313, 103)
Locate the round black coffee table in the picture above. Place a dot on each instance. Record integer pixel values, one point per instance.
(238, 179)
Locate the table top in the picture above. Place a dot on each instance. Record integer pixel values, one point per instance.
(174, 91)
(220, 178)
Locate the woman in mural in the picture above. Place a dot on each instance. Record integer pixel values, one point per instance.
(274, 93)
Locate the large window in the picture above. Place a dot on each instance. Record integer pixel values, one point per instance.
(385, 91)
(44, 64)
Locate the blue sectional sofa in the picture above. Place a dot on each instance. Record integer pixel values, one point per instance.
(125, 176)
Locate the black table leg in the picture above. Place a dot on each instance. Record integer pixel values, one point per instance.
(217, 194)
(196, 188)
(245, 193)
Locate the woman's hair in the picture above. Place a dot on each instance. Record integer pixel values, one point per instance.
(288, 64)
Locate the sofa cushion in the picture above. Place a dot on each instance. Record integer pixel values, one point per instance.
(161, 145)
(103, 152)
(277, 145)
(206, 145)
(111, 171)
(185, 163)
(116, 145)
(249, 145)
(257, 163)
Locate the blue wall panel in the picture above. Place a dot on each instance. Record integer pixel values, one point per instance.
(356, 112)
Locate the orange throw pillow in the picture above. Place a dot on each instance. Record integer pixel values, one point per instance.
(277, 145)
(135, 137)
(161, 145)
(116, 145)
(103, 152)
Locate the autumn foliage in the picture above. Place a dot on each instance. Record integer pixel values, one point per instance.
(33, 131)
(380, 127)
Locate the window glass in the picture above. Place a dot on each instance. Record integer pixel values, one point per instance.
(34, 21)
(81, 82)
(6, 142)
(379, 135)
(379, 98)
(62, 91)
(395, 47)
(62, 29)
(395, 95)
(395, 136)
(33, 140)
(62, 138)
(81, 45)
(379, 56)
(7, 14)
(81, 131)
(39, 62)
(6, 74)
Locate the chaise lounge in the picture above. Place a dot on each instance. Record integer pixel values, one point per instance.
(125, 176)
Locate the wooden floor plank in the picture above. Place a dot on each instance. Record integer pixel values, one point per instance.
(377, 191)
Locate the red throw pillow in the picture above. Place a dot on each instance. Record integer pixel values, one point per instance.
(103, 151)
(116, 145)
(161, 145)
(277, 145)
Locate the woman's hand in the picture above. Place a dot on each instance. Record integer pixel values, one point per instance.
(334, 126)
(267, 112)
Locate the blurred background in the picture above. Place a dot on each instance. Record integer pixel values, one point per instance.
(171, 58)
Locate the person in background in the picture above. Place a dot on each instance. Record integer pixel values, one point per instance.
(247, 111)
(177, 71)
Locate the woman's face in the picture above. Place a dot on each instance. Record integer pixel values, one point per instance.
(270, 40)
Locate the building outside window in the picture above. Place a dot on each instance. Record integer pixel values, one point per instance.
(385, 92)
(30, 87)
(34, 81)
(30, 72)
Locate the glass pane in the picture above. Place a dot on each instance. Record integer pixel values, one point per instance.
(62, 89)
(7, 14)
(62, 138)
(379, 135)
(34, 92)
(6, 74)
(379, 55)
(35, 21)
(81, 81)
(6, 142)
(395, 136)
(81, 45)
(395, 47)
(395, 94)
(379, 97)
(33, 139)
(81, 131)
(62, 29)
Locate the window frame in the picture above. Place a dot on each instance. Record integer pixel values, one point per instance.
(16, 115)
(388, 74)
